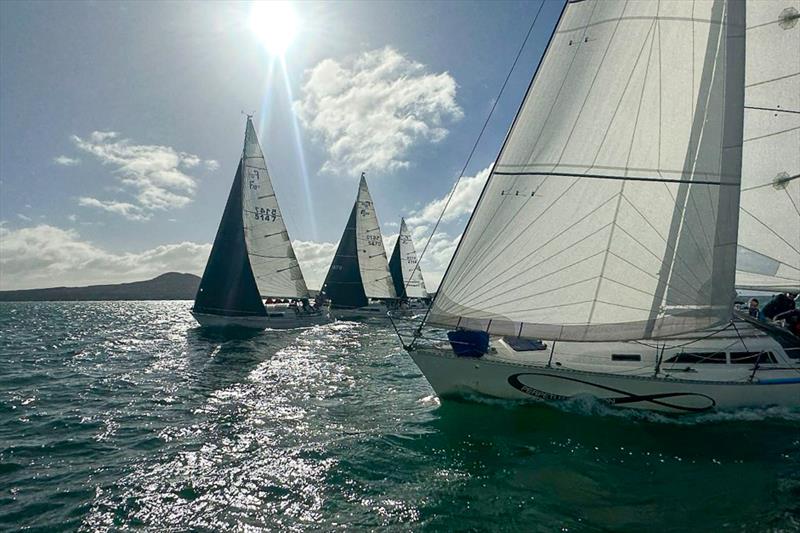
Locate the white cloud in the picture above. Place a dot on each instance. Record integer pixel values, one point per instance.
(46, 256)
(66, 161)
(463, 202)
(315, 259)
(370, 111)
(24, 217)
(72, 218)
(211, 164)
(127, 210)
(154, 174)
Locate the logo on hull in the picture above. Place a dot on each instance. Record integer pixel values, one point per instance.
(680, 401)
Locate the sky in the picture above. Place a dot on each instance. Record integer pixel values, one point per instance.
(121, 126)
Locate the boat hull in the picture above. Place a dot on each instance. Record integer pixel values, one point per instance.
(371, 311)
(288, 321)
(458, 376)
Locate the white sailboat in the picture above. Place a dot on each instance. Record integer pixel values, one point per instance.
(358, 283)
(252, 258)
(653, 138)
(407, 274)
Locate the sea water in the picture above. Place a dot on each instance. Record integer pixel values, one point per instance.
(125, 415)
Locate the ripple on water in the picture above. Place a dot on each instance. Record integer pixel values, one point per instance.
(125, 414)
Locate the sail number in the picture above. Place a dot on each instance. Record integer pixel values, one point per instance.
(254, 179)
(373, 240)
(268, 215)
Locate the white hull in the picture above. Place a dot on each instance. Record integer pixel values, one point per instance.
(289, 320)
(371, 311)
(506, 375)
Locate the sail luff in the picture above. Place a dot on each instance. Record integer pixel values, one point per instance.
(272, 258)
(596, 190)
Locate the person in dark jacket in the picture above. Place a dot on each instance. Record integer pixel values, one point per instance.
(780, 303)
(754, 311)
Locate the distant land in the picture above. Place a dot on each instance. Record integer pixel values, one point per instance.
(169, 286)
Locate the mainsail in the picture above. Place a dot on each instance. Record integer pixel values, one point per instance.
(769, 217)
(359, 269)
(406, 274)
(269, 248)
(611, 213)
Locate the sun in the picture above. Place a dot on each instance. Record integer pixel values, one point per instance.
(274, 23)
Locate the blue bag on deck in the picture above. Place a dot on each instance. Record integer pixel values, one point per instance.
(469, 343)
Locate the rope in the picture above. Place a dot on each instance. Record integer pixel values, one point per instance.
(471, 153)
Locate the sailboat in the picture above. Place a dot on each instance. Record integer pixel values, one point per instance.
(406, 273)
(656, 143)
(252, 258)
(358, 283)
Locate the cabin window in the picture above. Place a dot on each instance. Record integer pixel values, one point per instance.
(719, 358)
(626, 357)
(750, 358)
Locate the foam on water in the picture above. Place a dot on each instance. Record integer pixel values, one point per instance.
(126, 415)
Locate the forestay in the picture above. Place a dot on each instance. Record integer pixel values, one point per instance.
(612, 211)
(269, 248)
(407, 275)
(769, 218)
(372, 261)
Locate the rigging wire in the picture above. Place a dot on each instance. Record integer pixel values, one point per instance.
(472, 152)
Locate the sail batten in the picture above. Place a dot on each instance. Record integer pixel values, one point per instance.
(275, 266)
(607, 217)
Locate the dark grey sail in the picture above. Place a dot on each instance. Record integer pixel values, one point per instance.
(343, 284)
(228, 287)
(396, 270)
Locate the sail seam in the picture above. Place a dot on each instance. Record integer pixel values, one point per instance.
(618, 178)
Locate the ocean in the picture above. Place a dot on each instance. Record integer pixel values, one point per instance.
(125, 415)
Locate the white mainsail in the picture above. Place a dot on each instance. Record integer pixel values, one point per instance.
(269, 248)
(611, 213)
(372, 261)
(769, 218)
(413, 282)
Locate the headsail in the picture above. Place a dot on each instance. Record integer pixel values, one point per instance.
(228, 286)
(406, 274)
(269, 248)
(343, 284)
(611, 213)
(769, 217)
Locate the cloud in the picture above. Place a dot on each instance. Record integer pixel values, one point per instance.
(315, 259)
(66, 161)
(464, 199)
(24, 217)
(46, 256)
(155, 175)
(127, 210)
(371, 110)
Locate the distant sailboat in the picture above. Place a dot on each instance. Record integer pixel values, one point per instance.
(358, 283)
(609, 226)
(252, 257)
(406, 273)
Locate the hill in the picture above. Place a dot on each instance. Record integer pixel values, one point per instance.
(169, 286)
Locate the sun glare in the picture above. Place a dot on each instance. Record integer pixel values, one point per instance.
(274, 23)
